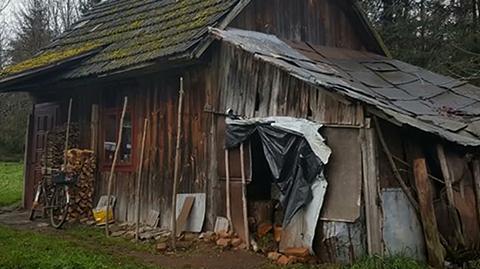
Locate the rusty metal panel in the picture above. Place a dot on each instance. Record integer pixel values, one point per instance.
(402, 231)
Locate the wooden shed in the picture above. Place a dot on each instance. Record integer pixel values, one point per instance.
(318, 60)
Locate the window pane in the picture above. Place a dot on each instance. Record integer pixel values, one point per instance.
(110, 137)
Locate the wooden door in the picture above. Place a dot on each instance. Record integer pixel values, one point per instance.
(44, 120)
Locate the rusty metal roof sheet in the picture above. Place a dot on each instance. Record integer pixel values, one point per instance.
(408, 94)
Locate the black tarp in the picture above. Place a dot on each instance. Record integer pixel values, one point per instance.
(293, 163)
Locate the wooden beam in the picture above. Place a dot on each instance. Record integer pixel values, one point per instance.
(371, 192)
(177, 166)
(114, 163)
(452, 212)
(139, 179)
(227, 188)
(244, 197)
(26, 165)
(67, 133)
(94, 128)
(435, 249)
(476, 180)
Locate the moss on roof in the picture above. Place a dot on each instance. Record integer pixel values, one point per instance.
(131, 32)
(47, 58)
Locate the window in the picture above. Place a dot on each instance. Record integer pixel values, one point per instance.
(111, 124)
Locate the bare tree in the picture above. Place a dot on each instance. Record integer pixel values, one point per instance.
(4, 4)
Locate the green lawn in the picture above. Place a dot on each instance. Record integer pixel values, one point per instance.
(11, 183)
(25, 250)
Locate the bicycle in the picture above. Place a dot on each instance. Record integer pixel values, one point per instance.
(55, 197)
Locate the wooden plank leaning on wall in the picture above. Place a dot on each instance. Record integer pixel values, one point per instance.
(371, 190)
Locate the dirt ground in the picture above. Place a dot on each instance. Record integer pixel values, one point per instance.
(201, 255)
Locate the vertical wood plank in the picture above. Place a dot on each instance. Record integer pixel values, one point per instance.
(371, 192)
(476, 180)
(427, 212)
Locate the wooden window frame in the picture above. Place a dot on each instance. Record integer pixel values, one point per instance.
(119, 167)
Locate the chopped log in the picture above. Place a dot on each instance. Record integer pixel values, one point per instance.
(435, 249)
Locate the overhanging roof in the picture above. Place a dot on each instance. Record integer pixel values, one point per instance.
(411, 95)
(128, 35)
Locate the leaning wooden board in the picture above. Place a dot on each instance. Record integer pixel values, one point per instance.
(184, 214)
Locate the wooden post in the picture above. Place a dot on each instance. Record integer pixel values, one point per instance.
(139, 178)
(476, 180)
(446, 174)
(177, 166)
(371, 192)
(67, 133)
(435, 249)
(244, 198)
(94, 129)
(26, 164)
(452, 212)
(227, 188)
(114, 163)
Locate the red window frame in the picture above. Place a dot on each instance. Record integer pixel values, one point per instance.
(106, 165)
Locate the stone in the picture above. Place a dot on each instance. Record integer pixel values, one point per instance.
(224, 242)
(129, 235)
(274, 256)
(190, 237)
(118, 233)
(207, 236)
(236, 242)
(298, 252)
(161, 247)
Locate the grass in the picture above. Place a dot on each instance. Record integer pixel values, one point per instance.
(28, 250)
(11, 183)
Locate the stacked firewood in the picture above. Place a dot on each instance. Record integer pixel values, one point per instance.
(56, 146)
(82, 164)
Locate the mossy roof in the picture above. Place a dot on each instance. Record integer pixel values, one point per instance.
(130, 33)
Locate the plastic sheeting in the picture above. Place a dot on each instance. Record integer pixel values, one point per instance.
(295, 152)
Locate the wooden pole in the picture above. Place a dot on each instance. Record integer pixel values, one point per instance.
(371, 192)
(177, 166)
(139, 178)
(452, 212)
(67, 133)
(114, 163)
(244, 198)
(227, 188)
(446, 174)
(476, 180)
(435, 249)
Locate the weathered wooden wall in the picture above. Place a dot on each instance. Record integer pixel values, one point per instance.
(320, 22)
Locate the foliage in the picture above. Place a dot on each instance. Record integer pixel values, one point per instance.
(14, 111)
(442, 36)
(11, 183)
(28, 250)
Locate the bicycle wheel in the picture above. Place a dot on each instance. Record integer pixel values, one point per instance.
(59, 206)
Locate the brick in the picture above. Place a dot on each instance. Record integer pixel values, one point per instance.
(224, 242)
(263, 229)
(286, 260)
(274, 256)
(298, 252)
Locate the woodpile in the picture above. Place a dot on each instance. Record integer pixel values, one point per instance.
(81, 163)
(54, 157)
